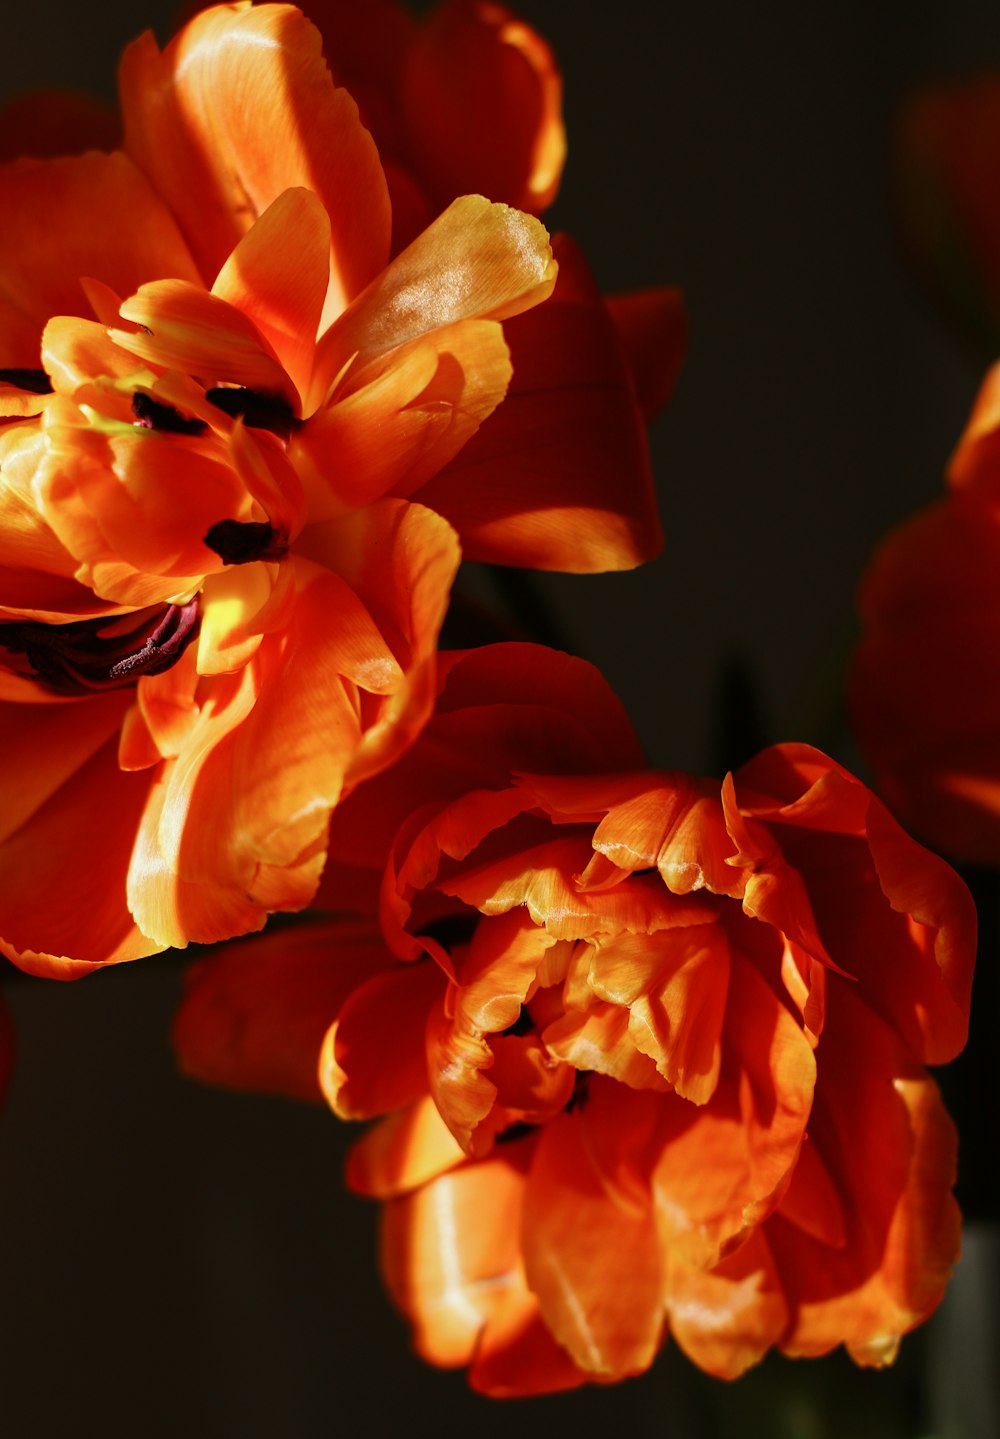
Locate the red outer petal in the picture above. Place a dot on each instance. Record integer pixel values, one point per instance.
(64, 910)
(888, 911)
(894, 1174)
(924, 689)
(482, 107)
(558, 477)
(254, 1014)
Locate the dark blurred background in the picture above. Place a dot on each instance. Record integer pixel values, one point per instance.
(181, 1262)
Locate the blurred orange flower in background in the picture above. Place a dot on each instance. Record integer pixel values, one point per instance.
(233, 487)
(650, 1050)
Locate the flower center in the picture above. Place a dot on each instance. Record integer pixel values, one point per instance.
(91, 656)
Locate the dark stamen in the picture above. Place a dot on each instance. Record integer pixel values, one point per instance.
(37, 381)
(257, 411)
(90, 656)
(238, 542)
(151, 414)
(452, 930)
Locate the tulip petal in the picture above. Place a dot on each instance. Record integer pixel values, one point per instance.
(558, 477)
(591, 1264)
(194, 120)
(254, 1014)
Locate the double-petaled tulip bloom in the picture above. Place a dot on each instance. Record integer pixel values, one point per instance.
(244, 441)
(649, 1050)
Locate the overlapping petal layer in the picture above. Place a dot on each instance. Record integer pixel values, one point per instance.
(227, 398)
(650, 1049)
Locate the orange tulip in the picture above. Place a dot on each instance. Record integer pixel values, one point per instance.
(924, 695)
(650, 1050)
(240, 440)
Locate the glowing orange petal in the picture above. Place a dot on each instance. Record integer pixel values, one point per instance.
(482, 107)
(277, 276)
(558, 477)
(476, 261)
(403, 1152)
(450, 1252)
(591, 1263)
(726, 1318)
(112, 227)
(405, 416)
(183, 327)
(253, 1015)
(220, 161)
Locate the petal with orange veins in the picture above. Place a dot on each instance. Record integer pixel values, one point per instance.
(725, 1319)
(477, 261)
(558, 477)
(62, 873)
(592, 1264)
(724, 1165)
(374, 1059)
(405, 416)
(652, 330)
(277, 276)
(449, 1255)
(87, 215)
(254, 1014)
(183, 327)
(239, 107)
(481, 106)
(403, 1152)
(893, 1174)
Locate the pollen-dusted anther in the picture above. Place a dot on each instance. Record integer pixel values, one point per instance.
(104, 654)
(257, 411)
(36, 381)
(239, 542)
(152, 414)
